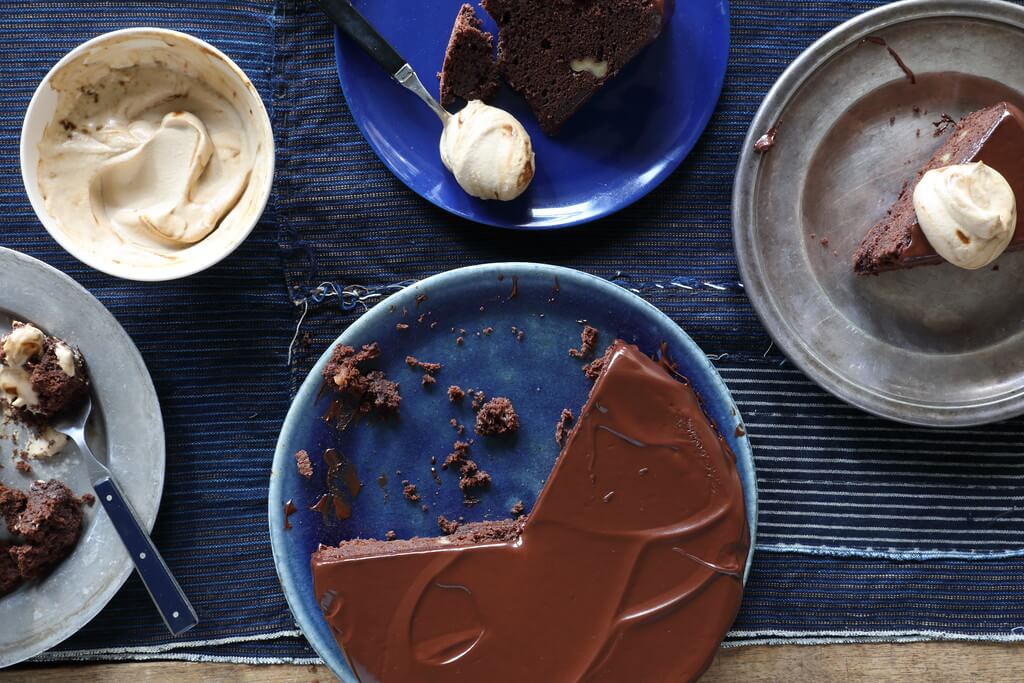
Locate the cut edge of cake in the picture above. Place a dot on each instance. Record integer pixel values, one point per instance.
(469, 71)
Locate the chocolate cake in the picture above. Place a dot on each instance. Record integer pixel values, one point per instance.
(46, 523)
(558, 53)
(40, 375)
(994, 135)
(366, 391)
(645, 489)
(469, 71)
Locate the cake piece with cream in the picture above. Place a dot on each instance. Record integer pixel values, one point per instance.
(961, 207)
(40, 376)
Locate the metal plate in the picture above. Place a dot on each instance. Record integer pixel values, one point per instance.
(126, 432)
(535, 373)
(935, 346)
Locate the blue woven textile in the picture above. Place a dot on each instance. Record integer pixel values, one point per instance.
(869, 530)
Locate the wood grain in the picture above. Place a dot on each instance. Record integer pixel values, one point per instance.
(933, 662)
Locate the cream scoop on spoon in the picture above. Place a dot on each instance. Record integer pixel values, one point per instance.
(486, 148)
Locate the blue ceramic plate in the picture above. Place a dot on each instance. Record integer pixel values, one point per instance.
(619, 147)
(535, 372)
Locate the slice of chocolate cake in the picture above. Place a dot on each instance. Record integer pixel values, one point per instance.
(629, 567)
(469, 71)
(47, 522)
(40, 375)
(558, 53)
(994, 135)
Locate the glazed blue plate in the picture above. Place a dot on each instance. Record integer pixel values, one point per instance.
(619, 147)
(535, 371)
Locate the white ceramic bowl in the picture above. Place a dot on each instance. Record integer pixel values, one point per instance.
(236, 225)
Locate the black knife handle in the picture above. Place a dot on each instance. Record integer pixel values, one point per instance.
(355, 26)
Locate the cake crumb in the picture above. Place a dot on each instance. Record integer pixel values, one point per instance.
(409, 491)
(420, 298)
(767, 141)
(824, 242)
(23, 466)
(594, 369)
(390, 535)
(427, 380)
(518, 509)
(472, 477)
(488, 331)
(588, 340)
(479, 398)
(447, 526)
(432, 368)
(303, 464)
(562, 428)
(457, 456)
(455, 393)
(518, 333)
(88, 499)
(458, 341)
(496, 417)
(401, 327)
(892, 121)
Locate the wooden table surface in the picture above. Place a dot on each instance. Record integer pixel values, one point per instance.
(929, 662)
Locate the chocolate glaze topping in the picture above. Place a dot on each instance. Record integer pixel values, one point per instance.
(615, 575)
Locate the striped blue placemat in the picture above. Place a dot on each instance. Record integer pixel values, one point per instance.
(869, 530)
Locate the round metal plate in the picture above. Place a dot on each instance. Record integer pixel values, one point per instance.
(935, 346)
(126, 431)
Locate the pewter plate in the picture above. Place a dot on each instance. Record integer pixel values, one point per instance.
(126, 432)
(936, 346)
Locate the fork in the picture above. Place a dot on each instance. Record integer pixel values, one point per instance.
(174, 607)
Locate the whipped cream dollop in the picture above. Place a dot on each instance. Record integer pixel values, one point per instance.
(968, 212)
(488, 151)
(153, 147)
(22, 344)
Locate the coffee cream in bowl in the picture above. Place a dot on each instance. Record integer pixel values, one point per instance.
(152, 154)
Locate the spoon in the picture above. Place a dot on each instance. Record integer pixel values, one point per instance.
(354, 25)
(174, 607)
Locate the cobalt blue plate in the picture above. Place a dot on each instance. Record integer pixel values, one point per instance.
(536, 372)
(619, 147)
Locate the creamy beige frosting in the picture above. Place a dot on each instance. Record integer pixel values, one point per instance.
(65, 358)
(968, 212)
(488, 151)
(149, 151)
(23, 343)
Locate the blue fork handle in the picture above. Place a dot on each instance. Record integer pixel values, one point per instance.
(174, 607)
